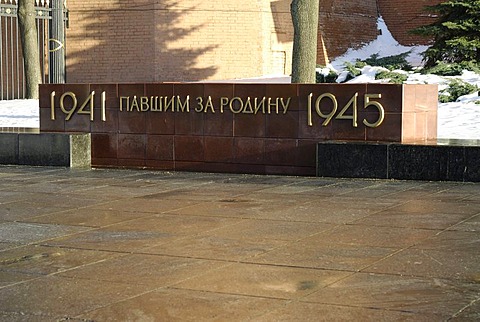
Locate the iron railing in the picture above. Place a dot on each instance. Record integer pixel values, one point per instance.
(12, 73)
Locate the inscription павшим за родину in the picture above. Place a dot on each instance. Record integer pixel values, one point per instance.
(236, 105)
(69, 105)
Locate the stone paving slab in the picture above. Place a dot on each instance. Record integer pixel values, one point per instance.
(137, 245)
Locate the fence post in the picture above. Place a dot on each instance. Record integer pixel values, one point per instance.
(57, 43)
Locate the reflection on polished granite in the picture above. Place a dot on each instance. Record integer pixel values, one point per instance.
(435, 160)
(132, 245)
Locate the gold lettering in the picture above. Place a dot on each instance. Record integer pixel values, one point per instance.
(127, 99)
(248, 109)
(154, 104)
(52, 106)
(223, 102)
(104, 102)
(134, 104)
(309, 109)
(74, 102)
(353, 117)
(379, 107)
(90, 100)
(144, 106)
(209, 105)
(185, 106)
(199, 107)
(328, 117)
(274, 105)
(232, 105)
(260, 105)
(285, 105)
(169, 104)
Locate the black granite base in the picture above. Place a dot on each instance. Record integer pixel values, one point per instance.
(45, 149)
(445, 160)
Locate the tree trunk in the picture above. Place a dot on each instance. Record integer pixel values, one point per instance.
(305, 25)
(28, 32)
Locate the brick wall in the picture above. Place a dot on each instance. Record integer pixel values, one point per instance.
(189, 40)
(146, 40)
(110, 40)
(344, 24)
(403, 16)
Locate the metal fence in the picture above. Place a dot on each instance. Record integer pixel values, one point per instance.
(51, 46)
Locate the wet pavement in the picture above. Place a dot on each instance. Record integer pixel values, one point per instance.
(128, 245)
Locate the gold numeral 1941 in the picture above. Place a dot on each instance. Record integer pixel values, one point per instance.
(69, 105)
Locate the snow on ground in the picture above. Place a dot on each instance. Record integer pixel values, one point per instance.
(19, 113)
(458, 120)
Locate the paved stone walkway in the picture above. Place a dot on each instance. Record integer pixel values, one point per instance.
(125, 245)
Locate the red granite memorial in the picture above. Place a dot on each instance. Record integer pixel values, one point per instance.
(241, 128)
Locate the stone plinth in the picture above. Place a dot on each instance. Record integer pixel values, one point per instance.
(224, 127)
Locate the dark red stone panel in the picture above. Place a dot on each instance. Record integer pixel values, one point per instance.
(344, 130)
(47, 125)
(111, 95)
(131, 122)
(392, 97)
(220, 167)
(193, 90)
(131, 90)
(132, 163)
(305, 154)
(160, 165)
(160, 90)
(104, 162)
(218, 124)
(284, 91)
(79, 123)
(46, 90)
(280, 152)
(251, 168)
(283, 125)
(104, 145)
(316, 130)
(219, 149)
(81, 91)
(160, 123)
(189, 123)
(109, 126)
(249, 150)
(291, 171)
(250, 90)
(160, 147)
(189, 148)
(249, 125)
(190, 166)
(131, 146)
(217, 91)
(389, 131)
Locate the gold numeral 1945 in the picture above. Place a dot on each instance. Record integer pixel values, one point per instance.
(351, 104)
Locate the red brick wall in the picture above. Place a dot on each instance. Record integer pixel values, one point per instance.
(346, 23)
(403, 16)
(170, 40)
(190, 40)
(110, 40)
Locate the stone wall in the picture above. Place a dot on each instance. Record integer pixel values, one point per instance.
(188, 40)
(191, 40)
(403, 16)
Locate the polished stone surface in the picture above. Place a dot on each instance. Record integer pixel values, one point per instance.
(46, 149)
(236, 128)
(445, 160)
(127, 245)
